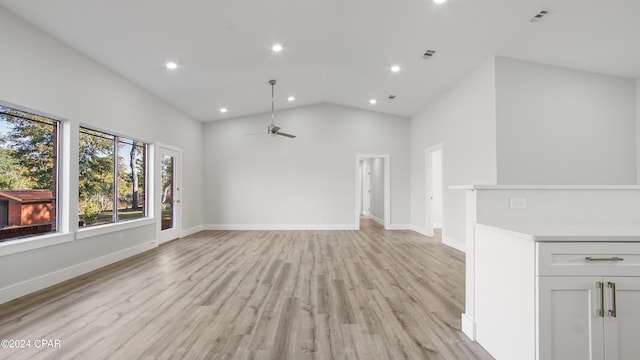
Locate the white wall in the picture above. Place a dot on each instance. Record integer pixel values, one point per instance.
(377, 189)
(562, 126)
(638, 131)
(436, 183)
(43, 74)
(309, 182)
(462, 119)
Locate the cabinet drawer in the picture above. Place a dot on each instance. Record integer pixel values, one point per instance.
(600, 259)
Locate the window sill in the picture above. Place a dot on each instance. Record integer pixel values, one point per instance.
(110, 228)
(32, 243)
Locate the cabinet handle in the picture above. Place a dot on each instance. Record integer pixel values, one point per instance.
(615, 258)
(601, 287)
(612, 286)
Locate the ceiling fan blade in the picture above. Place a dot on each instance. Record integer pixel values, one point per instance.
(285, 134)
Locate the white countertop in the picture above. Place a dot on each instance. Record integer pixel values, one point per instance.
(566, 233)
(544, 187)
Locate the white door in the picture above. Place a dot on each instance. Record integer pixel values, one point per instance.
(169, 194)
(366, 188)
(570, 324)
(622, 331)
(433, 188)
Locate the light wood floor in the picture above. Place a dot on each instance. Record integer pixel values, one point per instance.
(369, 294)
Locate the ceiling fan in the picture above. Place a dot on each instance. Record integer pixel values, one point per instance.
(274, 129)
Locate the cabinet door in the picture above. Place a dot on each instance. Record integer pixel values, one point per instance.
(622, 332)
(569, 322)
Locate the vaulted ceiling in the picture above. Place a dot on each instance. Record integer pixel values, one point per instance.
(335, 51)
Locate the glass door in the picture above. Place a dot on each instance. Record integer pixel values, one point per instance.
(169, 194)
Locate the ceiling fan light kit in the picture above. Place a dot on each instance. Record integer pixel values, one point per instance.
(273, 129)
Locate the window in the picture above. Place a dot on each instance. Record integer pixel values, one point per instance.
(112, 181)
(28, 174)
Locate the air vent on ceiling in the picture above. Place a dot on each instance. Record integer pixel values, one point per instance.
(540, 15)
(392, 97)
(428, 54)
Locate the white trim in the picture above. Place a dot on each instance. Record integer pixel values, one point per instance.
(191, 231)
(454, 244)
(175, 232)
(398, 227)
(9, 247)
(280, 227)
(420, 230)
(544, 187)
(168, 147)
(468, 327)
(375, 218)
(15, 291)
(31, 111)
(111, 132)
(92, 231)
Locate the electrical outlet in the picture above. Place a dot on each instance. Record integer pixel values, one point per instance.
(518, 203)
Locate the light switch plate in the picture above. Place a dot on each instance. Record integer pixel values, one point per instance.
(518, 203)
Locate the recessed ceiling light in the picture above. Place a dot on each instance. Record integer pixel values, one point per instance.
(373, 101)
(439, 1)
(291, 98)
(223, 110)
(171, 65)
(276, 48)
(395, 68)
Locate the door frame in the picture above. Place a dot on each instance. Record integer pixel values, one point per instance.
(387, 188)
(428, 185)
(163, 236)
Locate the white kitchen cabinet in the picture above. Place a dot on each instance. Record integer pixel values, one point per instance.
(622, 332)
(576, 318)
(569, 325)
(588, 301)
(555, 300)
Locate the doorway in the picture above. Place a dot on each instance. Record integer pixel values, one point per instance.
(365, 175)
(170, 207)
(373, 189)
(433, 188)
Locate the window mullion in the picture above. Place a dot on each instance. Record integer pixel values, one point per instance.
(114, 213)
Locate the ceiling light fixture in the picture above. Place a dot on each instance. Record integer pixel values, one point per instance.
(276, 48)
(171, 65)
(439, 1)
(223, 110)
(274, 129)
(291, 98)
(395, 68)
(373, 101)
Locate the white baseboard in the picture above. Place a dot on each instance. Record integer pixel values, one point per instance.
(280, 227)
(454, 244)
(191, 231)
(15, 291)
(376, 219)
(468, 327)
(419, 229)
(398, 227)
